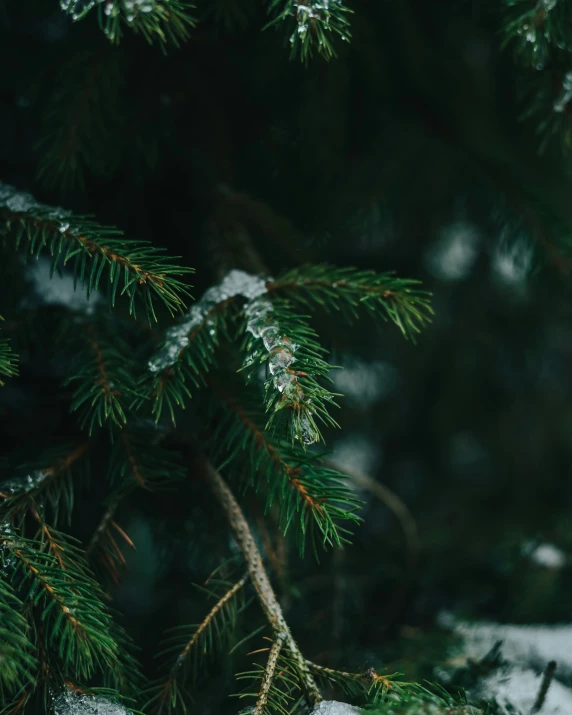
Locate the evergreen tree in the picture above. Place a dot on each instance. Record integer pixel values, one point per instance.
(316, 169)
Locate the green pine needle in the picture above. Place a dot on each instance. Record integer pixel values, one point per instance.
(164, 21)
(313, 500)
(312, 25)
(134, 268)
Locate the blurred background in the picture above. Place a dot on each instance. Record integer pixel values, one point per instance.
(407, 152)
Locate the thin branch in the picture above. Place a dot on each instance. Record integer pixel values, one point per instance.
(209, 617)
(393, 502)
(269, 673)
(102, 527)
(259, 577)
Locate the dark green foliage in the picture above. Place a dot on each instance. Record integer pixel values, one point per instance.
(413, 149)
(8, 361)
(18, 664)
(347, 290)
(77, 627)
(134, 268)
(188, 648)
(105, 372)
(82, 121)
(46, 484)
(311, 500)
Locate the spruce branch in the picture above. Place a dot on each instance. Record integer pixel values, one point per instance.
(164, 21)
(78, 626)
(259, 578)
(303, 488)
(8, 361)
(46, 483)
(346, 290)
(278, 337)
(312, 24)
(276, 684)
(18, 662)
(187, 648)
(142, 270)
(105, 373)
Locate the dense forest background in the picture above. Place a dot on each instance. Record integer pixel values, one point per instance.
(428, 146)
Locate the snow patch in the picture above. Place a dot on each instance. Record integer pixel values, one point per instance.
(334, 707)
(549, 556)
(516, 690)
(71, 703)
(59, 289)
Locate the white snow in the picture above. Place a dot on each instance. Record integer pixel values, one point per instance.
(548, 555)
(365, 382)
(523, 645)
(71, 703)
(334, 707)
(454, 254)
(515, 690)
(59, 289)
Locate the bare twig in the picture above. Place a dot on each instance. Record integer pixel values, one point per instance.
(269, 674)
(259, 577)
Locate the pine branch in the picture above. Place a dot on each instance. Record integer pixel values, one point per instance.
(345, 290)
(277, 684)
(367, 686)
(536, 29)
(304, 489)
(141, 269)
(105, 373)
(260, 580)
(280, 337)
(138, 461)
(46, 484)
(188, 648)
(18, 664)
(312, 24)
(78, 627)
(164, 21)
(8, 361)
(188, 349)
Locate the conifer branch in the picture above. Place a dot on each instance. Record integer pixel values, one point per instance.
(104, 372)
(141, 269)
(18, 663)
(8, 361)
(312, 24)
(382, 295)
(293, 479)
(259, 578)
(279, 337)
(188, 647)
(48, 482)
(78, 628)
(164, 21)
(269, 674)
